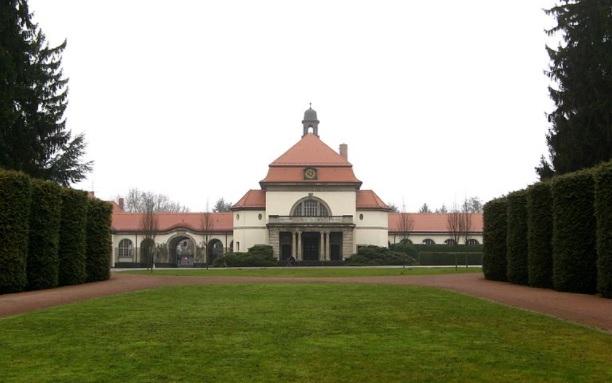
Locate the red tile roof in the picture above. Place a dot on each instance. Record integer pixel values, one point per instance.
(310, 151)
(116, 207)
(368, 200)
(253, 199)
(428, 222)
(131, 222)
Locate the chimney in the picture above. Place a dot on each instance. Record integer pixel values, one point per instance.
(344, 151)
(121, 203)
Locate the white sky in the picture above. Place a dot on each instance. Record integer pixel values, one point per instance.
(437, 100)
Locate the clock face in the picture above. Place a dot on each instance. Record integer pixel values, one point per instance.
(310, 174)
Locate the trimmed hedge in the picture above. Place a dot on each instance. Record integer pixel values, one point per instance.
(15, 201)
(45, 218)
(516, 238)
(603, 214)
(539, 235)
(374, 255)
(245, 260)
(99, 240)
(72, 247)
(265, 250)
(574, 247)
(494, 240)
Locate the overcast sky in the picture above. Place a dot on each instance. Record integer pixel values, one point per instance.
(437, 100)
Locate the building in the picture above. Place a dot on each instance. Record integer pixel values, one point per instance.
(310, 206)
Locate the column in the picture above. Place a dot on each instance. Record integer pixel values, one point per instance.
(321, 246)
(299, 246)
(328, 246)
(293, 245)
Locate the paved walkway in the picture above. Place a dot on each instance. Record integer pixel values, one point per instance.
(588, 310)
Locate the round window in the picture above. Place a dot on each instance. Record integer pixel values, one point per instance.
(361, 217)
(237, 217)
(260, 216)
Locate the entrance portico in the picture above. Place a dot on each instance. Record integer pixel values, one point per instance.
(311, 238)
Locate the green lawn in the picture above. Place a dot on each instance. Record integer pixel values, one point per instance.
(310, 272)
(298, 333)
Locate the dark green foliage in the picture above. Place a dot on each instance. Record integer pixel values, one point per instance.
(603, 213)
(265, 250)
(374, 255)
(405, 247)
(99, 242)
(33, 99)
(245, 260)
(581, 71)
(516, 239)
(45, 217)
(494, 240)
(574, 249)
(539, 235)
(445, 255)
(15, 197)
(72, 247)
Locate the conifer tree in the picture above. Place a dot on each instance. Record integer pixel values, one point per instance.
(581, 68)
(33, 99)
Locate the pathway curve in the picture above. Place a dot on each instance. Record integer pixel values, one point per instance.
(588, 310)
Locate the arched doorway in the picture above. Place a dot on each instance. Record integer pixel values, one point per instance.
(182, 251)
(214, 250)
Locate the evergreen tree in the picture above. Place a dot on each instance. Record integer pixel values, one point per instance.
(221, 206)
(33, 99)
(581, 67)
(424, 209)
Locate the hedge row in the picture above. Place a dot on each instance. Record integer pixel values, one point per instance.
(15, 201)
(573, 243)
(539, 235)
(46, 236)
(494, 239)
(46, 212)
(603, 213)
(559, 233)
(516, 238)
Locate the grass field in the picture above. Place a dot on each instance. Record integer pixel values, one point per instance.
(309, 272)
(298, 333)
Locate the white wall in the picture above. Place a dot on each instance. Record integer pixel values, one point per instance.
(340, 202)
(249, 229)
(371, 228)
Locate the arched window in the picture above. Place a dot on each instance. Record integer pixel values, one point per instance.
(310, 208)
(125, 249)
(428, 241)
(450, 242)
(473, 242)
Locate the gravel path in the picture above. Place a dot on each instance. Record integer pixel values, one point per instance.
(588, 310)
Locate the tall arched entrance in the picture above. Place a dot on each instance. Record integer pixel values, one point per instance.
(214, 250)
(182, 251)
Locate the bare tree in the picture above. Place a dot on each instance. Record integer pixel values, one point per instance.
(206, 220)
(466, 218)
(406, 224)
(453, 224)
(149, 226)
(135, 202)
(393, 207)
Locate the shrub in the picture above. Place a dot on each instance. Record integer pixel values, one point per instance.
(374, 255)
(603, 214)
(574, 249)
(45, 216)
(445, 255)
(539, 235)
(264, 250)
(405, 247)
(99, 242)
(494, 240)
(15, 202)
(72, 247)
(516, 239)
(245, 260)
